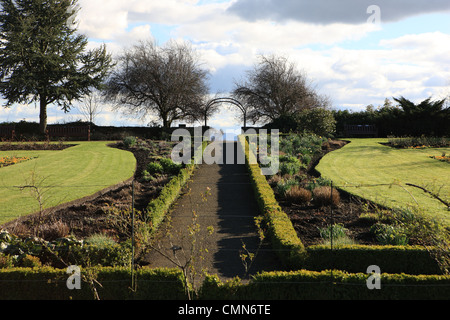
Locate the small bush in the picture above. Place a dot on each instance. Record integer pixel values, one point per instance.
(387, 234)
(298, 195)
(323, 196)
(319, 182)
(6, 261)
(289, 165)
(288, 168)
(29, 261)
(170, 167)
(283, 186)
(129, 141)
(274, 180)
(56, 230)
(338, 233)
(154, 168)
(97, 255)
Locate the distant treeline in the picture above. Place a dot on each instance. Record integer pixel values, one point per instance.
(24, 130)
(429, 118)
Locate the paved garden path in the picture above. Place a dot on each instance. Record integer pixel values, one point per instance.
(228, 209)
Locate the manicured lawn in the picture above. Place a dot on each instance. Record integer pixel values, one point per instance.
(364, 163)
(62, 176)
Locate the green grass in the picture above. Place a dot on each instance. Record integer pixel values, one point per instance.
(62, 176)
(364, 163)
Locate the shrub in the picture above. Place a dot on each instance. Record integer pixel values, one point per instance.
(289, 165)
(298, 195)
(129, 141)
(6, 261)
(154, 168)
(318, 121)
(283, 186)
(57, 229)
(274, 180)
(319, 182)
(106, 255)
(170, 167)
(337, 232)
(29, 261)
(324, 196)
(287, 168)
(388, 234)
(284, 238)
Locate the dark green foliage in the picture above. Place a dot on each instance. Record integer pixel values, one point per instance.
(429, 118)
(155, 168)
(170, 167)
(158, 208)
(303, 146)
(388, 234)
(356, 258)
(290, 165)
(43, 59)
(129, 141)
(47, 283)
(317, 121)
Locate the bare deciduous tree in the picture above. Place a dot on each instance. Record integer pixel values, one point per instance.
(91, 106)
(275, 88)
(167, 81)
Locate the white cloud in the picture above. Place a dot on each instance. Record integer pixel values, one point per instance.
(102, 19)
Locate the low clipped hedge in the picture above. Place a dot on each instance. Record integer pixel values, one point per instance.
(356, 258)
(158, 208)
(168, 284)
(111, 284)
(327, 285)
(285, 241)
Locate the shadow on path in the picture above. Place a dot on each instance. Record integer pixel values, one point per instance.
(229, 208)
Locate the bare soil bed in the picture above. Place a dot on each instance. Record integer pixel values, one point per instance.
(6, 146)
(309, 219)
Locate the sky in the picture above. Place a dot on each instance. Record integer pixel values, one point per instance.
(357, 52)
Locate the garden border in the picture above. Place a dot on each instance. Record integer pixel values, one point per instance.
(294, 255)
(285, 241)
(159, 207)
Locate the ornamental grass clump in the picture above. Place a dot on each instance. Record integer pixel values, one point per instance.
(298, 195)
(325, 195)
(336, 234)
(285, 185)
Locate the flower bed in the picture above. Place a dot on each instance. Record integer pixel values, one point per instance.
(443, 158)
(10, 160)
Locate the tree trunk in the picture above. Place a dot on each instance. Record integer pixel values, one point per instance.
(43, 115)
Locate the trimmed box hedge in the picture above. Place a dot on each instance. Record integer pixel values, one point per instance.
(113, 284)
(285, 241)
(168, 284)
(356, 258)
(327, 285)
(158, 208)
